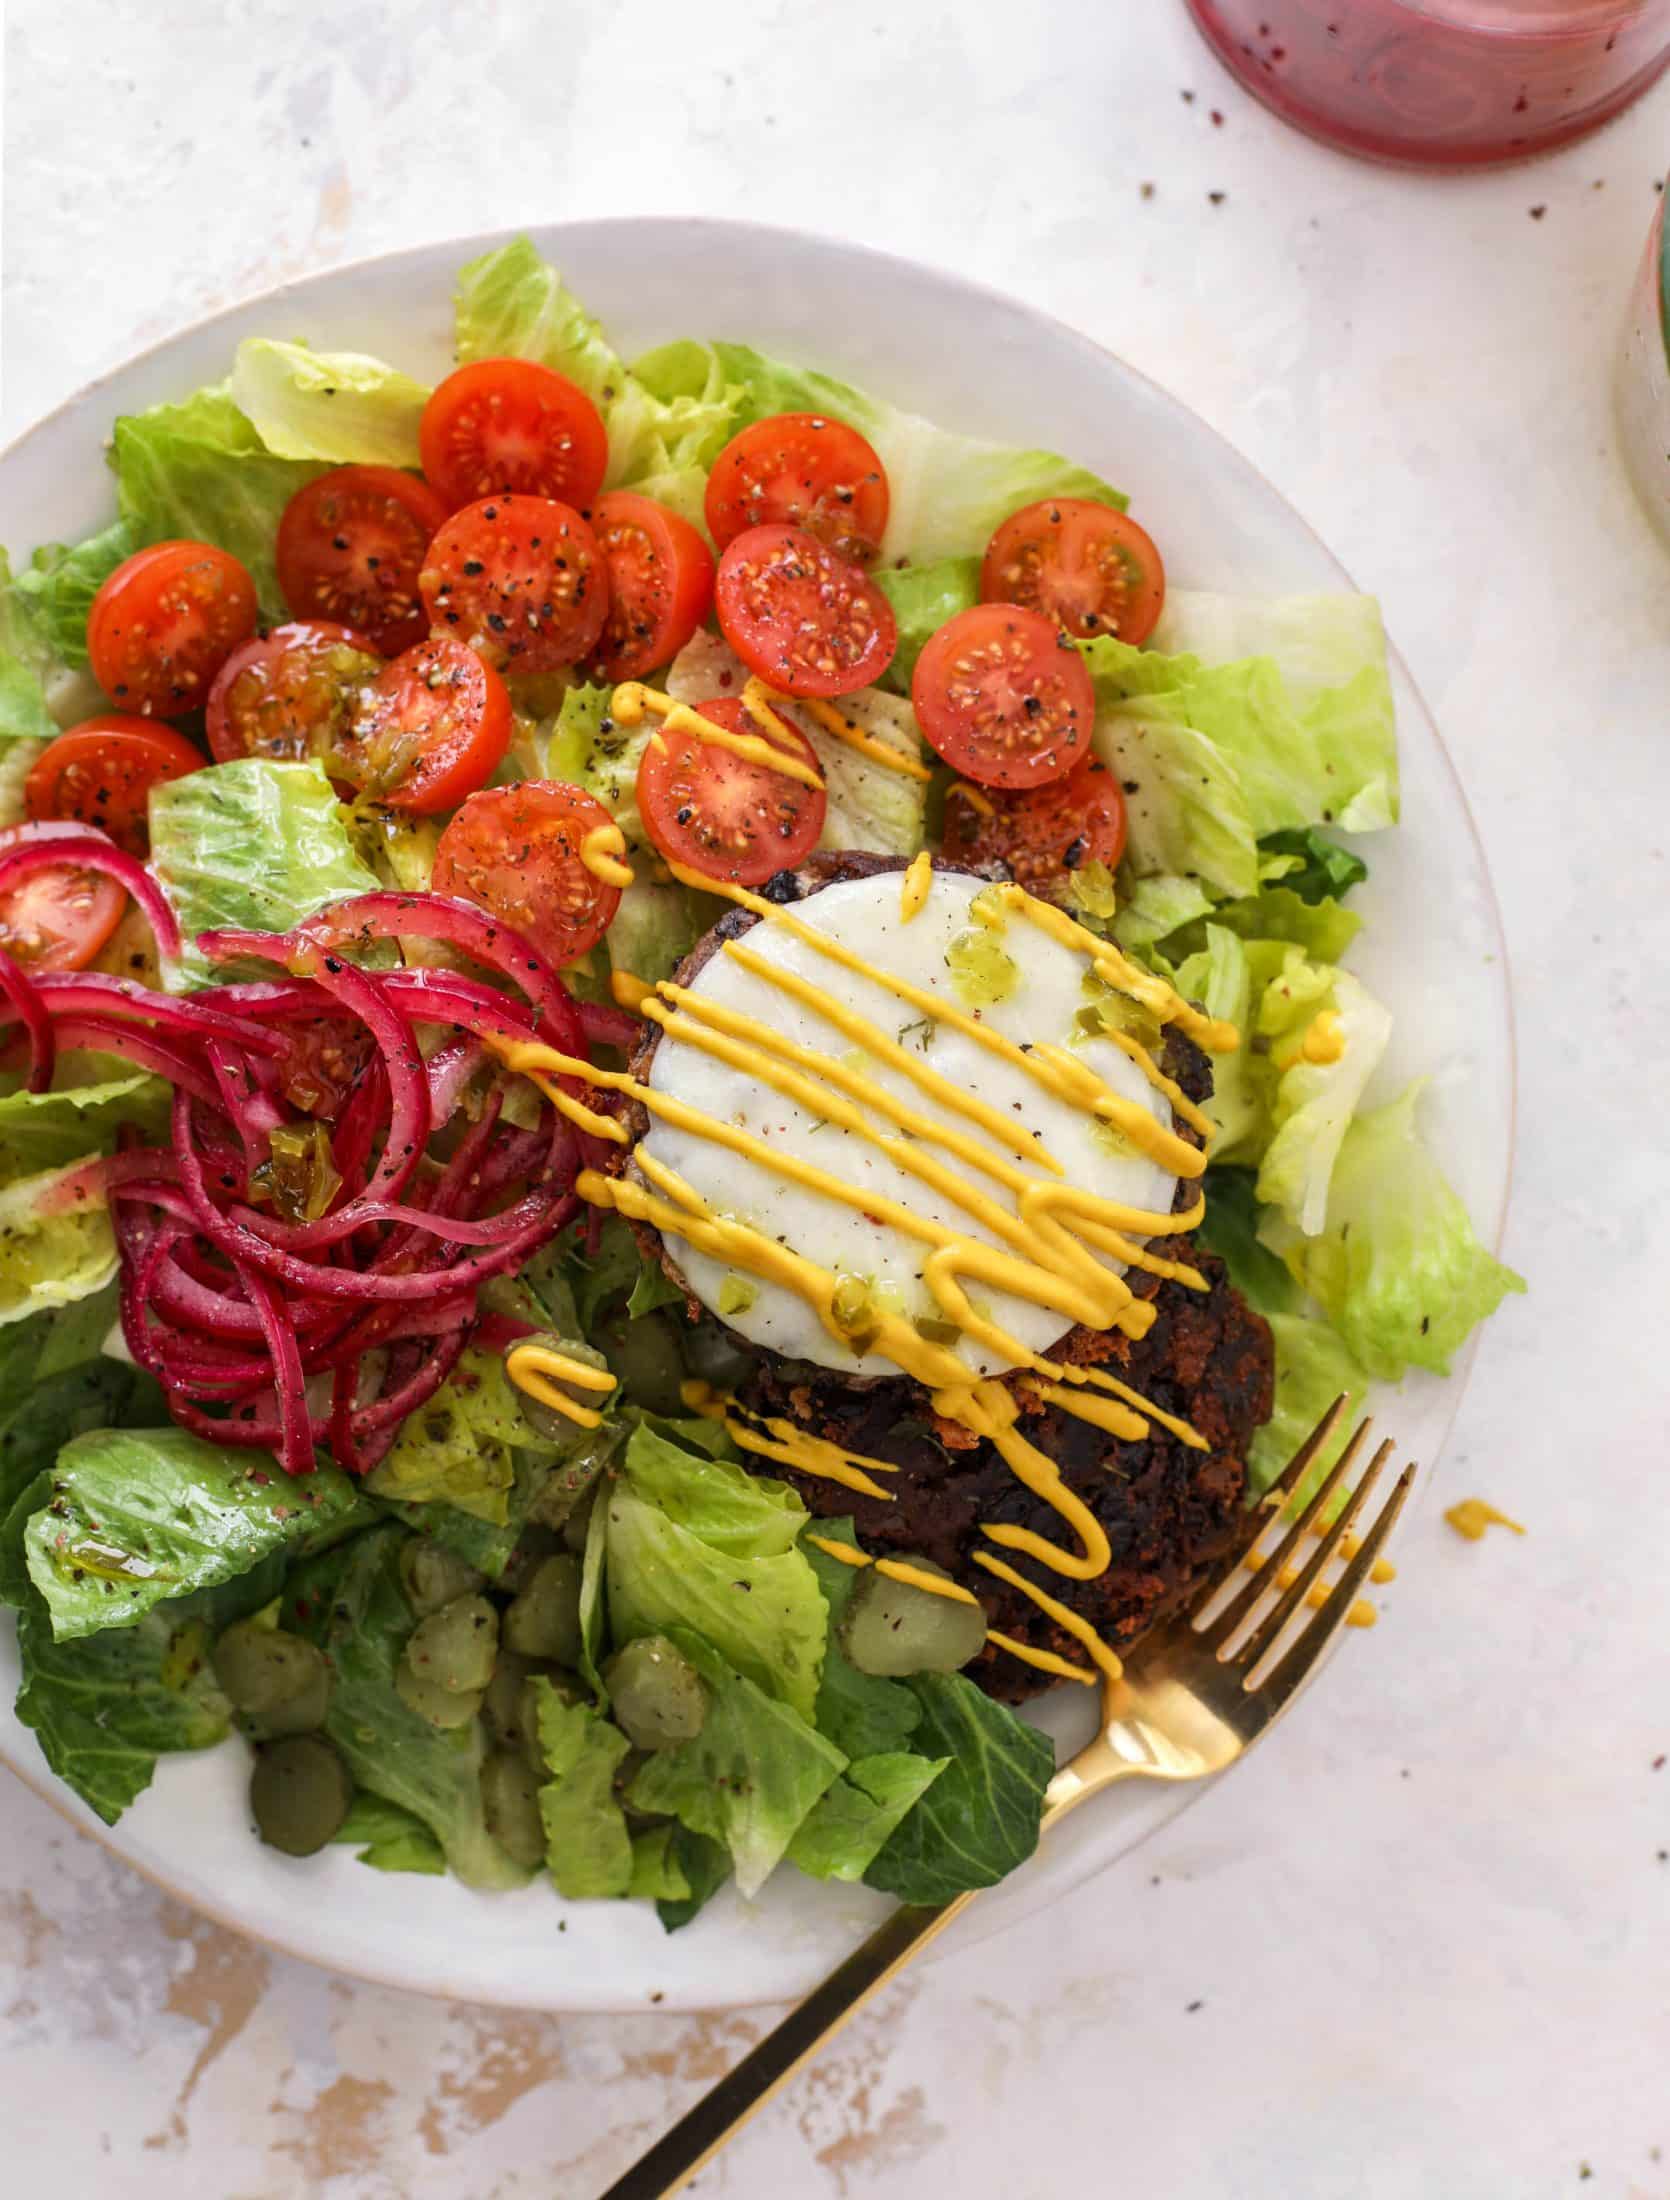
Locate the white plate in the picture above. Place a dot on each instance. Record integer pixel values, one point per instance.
(1432, 949)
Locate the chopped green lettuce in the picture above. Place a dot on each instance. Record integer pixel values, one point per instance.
(460, 1446)
(862, 1714)
(342, 407)
(664, 432)
(55, 1383)
(1220, 978)
(1187, 815)
(1329, 651)
(588, 1849)
(947, 491)
(1230, 1229)
(141, 1515)
(749, 1778)
(981, 1816)
(1276, 912)
(590, 749)
(197, 471)
(1313, 866)
(1314, 1099)
(1396, 1266)
(655, 927)
(56, 1242)
(43, 608)
(1151, 908)
(1313, 1366)
(104, 1708)
(853, 1821)
(47, 1130)
(658, 1875)
(696, 1542)
(350, 1602)
(923, 598)
(388, 1838)
(251, 845)
(704, 1866)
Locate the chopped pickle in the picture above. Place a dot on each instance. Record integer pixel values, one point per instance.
(935, 1330)
(301, 1176)
(737, 1294)
(988, 908)
(1091, 890)
(853, 1304)
(983, 971)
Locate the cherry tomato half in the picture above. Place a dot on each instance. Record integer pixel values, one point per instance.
(499, 425)
(432, 727)
(660, 584)
(800, 470)
(522, 578)
(807, 621)
(1003, 697)
(165, 622)
(350, 548)
(289, 694)
(722, 814)
(59, 917)
(102, 772)
(516, 852)
(1043, 835)
(1089, 568)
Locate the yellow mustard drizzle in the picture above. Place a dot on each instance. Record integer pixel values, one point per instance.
(603, 851)
(1113, 968)
(756, 696)
(897, 1569)
(1472, 1516)
(1101, 1654)
(1045, 1660)
(538, 1368)
(1043, 1251)
(1323, 1040)
(632, 699)
(914, 886)
(627, 991)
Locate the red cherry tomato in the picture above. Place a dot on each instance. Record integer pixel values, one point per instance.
(289, 694)
(1045, 834)
(522, 578)
(499, 425)
(800, 470)
(716, 812)
(517, 853)
(1089, 568)
(165, 622)
(350, 548)
(59, 917)
(807, 621)
(1003, 697)
(660, 584)
(102, 772)
(322, 1062)
(432, 727)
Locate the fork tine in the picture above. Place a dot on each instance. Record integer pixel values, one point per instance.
(1228, 1620)
(1286, 1675)
(1268, 1631)
(1257, 1517)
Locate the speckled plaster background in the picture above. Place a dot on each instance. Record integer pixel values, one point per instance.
(1418, 1947)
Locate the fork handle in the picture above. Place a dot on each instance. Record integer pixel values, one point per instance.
(700, 2133)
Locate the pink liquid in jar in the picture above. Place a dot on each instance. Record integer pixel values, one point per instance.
(1441, 83)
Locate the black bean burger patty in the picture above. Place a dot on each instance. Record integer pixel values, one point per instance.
(1167, 1508)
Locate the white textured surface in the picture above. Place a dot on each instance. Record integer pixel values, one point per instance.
(1425, 1935)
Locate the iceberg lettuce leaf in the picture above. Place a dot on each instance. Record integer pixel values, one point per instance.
(341, 407)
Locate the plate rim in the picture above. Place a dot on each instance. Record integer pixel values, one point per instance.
(710, 231)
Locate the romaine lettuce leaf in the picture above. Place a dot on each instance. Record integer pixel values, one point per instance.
(43, 608)
(1187, 814)
(1220, 978)
(1396, 1266)
(657, 1873)
(923, 598)
(138, 1516)
(588, 1849)
(592, 750)
(460, 1447)
(198, 471)
(749, 1778)
(1329, 652)
(56, 1383)
(56, 1242)
(1313, 1366)
(252, 845)
(655, 927)
(1151, 908)
(665, 429)
(350, 1602)
(1314, 1099)
(704, 1865)
(341, 407)
(47, 1130)
(1277, 912)
(727, 1564)
(852, 1821)
(1230, 1228)
(388, 1838)
(862, 1714)
(981, 1817)
(104, 1708)
(947, 492)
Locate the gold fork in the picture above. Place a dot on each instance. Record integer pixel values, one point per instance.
(1189, 1703)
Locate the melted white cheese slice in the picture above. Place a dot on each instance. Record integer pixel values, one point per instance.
(865, 916)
